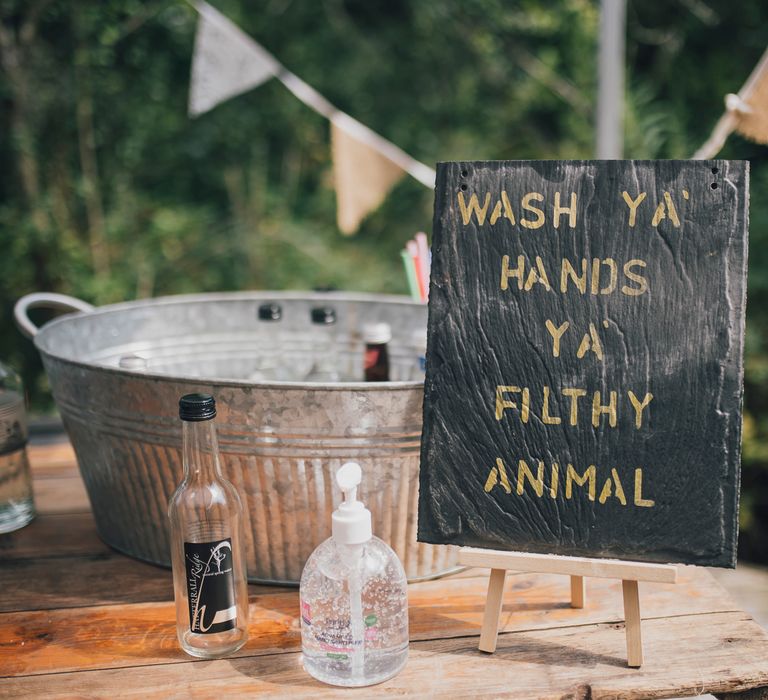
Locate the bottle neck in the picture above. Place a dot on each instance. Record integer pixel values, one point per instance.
(200, 450)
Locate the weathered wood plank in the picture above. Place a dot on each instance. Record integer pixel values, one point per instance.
(44, 641)
(105, 578)
(685, 656)
(64, 535)
(60, 494)
(76, 581)
(52, 460)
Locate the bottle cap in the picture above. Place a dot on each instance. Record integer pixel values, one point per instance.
(197, 407)
(351, 521)
(270, 312)
(323, 315)
(376, 333)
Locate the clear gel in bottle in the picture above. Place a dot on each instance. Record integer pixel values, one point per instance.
(354, 599)
(209, 579)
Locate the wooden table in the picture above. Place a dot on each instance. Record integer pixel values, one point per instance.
(79, 619)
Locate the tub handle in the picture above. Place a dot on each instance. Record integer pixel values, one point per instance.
(48, 300)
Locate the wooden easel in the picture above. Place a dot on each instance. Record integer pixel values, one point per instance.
(577, 568)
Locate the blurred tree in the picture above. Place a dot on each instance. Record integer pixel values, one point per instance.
(110, 192)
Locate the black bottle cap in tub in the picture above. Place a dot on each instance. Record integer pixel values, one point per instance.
(324, 315)
(197, 407)
(270, 312)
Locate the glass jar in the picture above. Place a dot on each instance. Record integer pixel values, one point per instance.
(17, 507)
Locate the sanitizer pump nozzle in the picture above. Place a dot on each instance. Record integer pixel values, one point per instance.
(351, 521)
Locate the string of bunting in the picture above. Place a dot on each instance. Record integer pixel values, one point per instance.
(227, 62)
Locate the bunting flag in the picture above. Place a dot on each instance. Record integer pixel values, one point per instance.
(365, 168)
(362, 177)
(228, 62)
(745, 113)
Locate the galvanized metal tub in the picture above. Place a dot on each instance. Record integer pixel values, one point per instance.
(281, 442)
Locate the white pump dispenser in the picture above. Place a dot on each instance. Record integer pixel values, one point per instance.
(354, 598)
(351, 521)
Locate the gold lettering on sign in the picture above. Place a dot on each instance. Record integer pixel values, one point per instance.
(474, 207)
(529, 483)
(639, 406)
(546, 418)
(639, 500)
(490, 207)
(598, 409)
(611, 482)
(567, 271)
(539, 274)
(498, 474)
(590, 341)
(554, 480)
(517, 272)
(507, 209)
(594, 286)
(570, 210)
(556, 334)
(641, 281)
(574, 395)
(671, 210)
(552, 412)
(526, 205)
(633, 204)
(610, 263)
(502, 403)
(524, 472)
(572, 476)
(601, 276)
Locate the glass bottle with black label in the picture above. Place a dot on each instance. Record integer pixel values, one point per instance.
(209, 578)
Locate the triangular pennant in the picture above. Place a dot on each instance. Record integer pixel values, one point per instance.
(746, 113)
(362, 176)
(226, 61)
(753, 108)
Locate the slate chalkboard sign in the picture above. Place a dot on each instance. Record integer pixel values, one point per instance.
(584, 365)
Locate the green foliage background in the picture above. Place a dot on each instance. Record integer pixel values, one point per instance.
(109, 192)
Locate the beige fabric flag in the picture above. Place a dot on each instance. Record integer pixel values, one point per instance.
(226, 61)
(362, 176)
(746, 113)
(753, 120)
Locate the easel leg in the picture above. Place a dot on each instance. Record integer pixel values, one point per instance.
(490, 630)
(578, 591)
(632, 622)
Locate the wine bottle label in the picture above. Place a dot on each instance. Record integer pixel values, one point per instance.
(210, 586)
(371, 357)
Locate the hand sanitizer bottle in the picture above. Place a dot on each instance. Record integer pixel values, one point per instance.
(354, 599)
